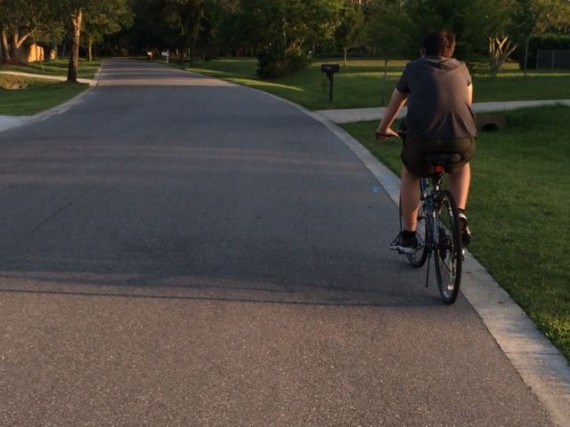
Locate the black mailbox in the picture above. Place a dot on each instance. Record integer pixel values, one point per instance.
(330, 69)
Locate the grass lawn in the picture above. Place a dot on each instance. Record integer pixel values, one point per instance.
(57, 67)
(38, 94)
(518, 210)
(361, 83)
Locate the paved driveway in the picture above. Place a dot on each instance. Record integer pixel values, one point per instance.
(180, 251)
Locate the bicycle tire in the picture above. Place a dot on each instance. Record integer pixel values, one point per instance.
(418, 258)
(448, 251)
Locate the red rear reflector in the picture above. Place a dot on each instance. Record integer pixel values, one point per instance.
(438, 169)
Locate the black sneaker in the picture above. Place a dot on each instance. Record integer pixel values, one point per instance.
(464, 229)
(405, 244)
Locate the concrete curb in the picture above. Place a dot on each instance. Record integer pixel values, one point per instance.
(9, 122)
(352, 115)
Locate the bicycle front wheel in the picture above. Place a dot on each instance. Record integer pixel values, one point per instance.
(448, 251)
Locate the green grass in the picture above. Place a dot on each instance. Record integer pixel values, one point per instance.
(361, 83)
(518, 210)
(37, 96)
(56, 67)
(310, 87)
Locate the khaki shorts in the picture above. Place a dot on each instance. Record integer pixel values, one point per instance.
(414, 152)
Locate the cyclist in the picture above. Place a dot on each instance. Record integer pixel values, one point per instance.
(438, 91)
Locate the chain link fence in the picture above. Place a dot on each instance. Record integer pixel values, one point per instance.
(553, 60)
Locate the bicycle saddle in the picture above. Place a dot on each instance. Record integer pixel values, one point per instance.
(443, 158)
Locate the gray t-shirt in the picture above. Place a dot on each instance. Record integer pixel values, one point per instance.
(438, 107)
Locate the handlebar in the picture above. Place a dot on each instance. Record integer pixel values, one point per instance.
(401, 134)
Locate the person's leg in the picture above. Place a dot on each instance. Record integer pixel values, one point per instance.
(410, 199)
(459, 182)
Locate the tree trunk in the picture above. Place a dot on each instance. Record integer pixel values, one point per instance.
(90, 49)
(193, 52)
(76, 18)
(15, 46)
(500, 48)
(195, 30)
(5, 51)
(15, 57)
(526, 55)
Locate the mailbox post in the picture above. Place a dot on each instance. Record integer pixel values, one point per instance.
(330, 70)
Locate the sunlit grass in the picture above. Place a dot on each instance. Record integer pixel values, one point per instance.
(362, 83)
(266, 85)
(56, 67)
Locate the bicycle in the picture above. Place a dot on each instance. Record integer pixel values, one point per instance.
(438, 230)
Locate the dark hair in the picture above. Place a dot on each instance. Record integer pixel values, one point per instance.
(439, 43)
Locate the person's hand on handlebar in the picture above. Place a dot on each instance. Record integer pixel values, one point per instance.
(382, 134)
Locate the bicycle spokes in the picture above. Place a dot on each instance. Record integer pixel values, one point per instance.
(448, 247)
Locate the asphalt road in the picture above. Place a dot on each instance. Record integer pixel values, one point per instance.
(176, 250)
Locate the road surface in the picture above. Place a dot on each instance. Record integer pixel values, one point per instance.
(177, 250)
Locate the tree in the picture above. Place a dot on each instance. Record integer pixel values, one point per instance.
(76, 14)
(550, 15)
(503, 25)
(75, 21)
(185, 17)
(349, 32)
(103, 19)
(494, 24)
(538, 17)
(215, 13)
(387, 30)
(317, 22)
(15, 29)
(283, 32)
(19, 19)
(226, 23)
(482, 27)
(452, 15)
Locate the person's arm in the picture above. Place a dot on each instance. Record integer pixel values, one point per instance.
(396, 103)
(470, 94)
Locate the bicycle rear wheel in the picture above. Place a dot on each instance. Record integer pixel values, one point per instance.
(418, 258)
(448, 251)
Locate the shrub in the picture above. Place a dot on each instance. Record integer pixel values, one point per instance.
(274, 62)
